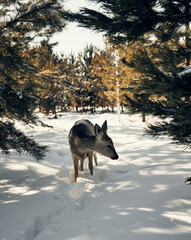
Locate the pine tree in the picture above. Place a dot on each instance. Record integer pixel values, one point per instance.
(21, 22)
(163, 88)
(69, 68)
(87, 90)
(104, 64)
(124, 21)
(114, 74)
(49, 78)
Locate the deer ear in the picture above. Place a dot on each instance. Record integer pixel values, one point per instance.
(104, 126)
(97, 130)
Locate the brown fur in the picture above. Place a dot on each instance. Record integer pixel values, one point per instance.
(85, 140)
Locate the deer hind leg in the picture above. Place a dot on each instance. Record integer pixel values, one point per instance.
(95, 158)
(75, 163)
(82, 164)
(90, 158)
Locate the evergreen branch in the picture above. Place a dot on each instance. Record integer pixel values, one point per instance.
(188, 181)
(22, 17)
(86, 20)
(11, 138)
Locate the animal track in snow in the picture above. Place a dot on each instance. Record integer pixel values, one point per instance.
(40, 222)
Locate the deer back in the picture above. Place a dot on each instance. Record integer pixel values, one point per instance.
(79, 135)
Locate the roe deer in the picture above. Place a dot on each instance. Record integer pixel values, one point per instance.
(85, 139)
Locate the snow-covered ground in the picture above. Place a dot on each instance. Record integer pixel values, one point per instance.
(141, 195)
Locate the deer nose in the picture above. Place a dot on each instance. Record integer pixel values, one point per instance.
(115, 157)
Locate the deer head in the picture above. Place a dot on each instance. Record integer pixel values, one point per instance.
(104, 144)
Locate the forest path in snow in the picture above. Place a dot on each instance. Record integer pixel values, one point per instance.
(141, 195)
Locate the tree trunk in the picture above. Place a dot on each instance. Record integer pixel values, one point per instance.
(143, 117)
(187, 45)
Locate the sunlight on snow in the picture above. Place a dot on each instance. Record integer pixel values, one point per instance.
(160, 188)
(15, 166)
(182, 213)
(49, 188)
(31, 192)
(37, 167)
(179, 215)
(128, 185)
(146, 209)
(17, 190)
(178, 230)
(178, 203)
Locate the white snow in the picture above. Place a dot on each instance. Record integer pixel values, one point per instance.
(141, 195)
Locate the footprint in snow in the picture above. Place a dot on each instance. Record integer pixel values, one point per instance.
(60, 153)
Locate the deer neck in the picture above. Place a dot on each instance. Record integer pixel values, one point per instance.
(89, 142)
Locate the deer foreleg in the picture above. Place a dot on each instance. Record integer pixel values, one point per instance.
(75, 163)
(95, 158)
(81, 164)
(90, 158)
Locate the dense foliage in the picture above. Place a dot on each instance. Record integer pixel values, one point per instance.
(83, 82)
(144, 66)
(159, 33)
(20, 23)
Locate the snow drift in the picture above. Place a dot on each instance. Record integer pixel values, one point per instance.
(142, 195)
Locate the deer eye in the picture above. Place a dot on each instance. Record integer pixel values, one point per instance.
(109, 146)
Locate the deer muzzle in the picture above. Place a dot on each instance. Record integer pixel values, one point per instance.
(115, 157)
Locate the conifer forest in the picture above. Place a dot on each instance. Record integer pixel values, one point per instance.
(144, 67)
